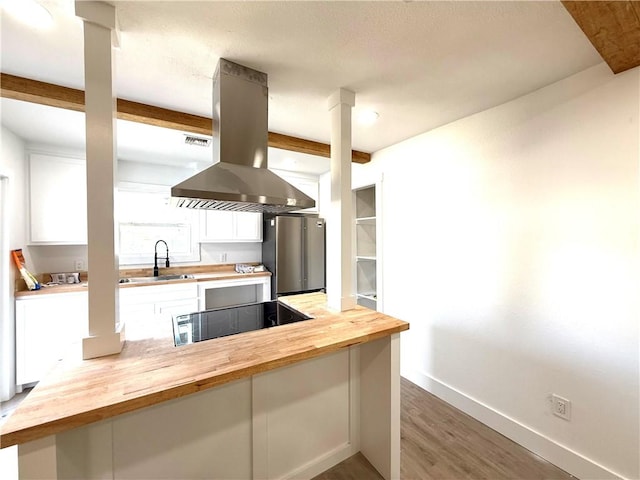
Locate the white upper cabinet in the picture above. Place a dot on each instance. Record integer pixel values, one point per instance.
(57, 200)
(248, 227)
(224, 226)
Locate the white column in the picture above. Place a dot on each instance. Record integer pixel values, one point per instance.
(340, 295)
(105, 335)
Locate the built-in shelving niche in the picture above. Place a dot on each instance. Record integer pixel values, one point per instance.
(366, 246)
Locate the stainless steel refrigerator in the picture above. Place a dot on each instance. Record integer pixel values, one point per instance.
(293, 250)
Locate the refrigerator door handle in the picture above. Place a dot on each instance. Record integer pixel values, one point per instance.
(304, 255)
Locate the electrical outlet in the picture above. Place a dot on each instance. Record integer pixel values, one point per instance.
(561, 407)
(78, 264)
(222, 257)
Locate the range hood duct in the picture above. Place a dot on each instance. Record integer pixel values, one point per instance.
(239, 179)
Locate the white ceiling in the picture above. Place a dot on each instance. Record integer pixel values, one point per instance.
(419, 64)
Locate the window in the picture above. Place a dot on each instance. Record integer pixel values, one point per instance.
(146, 216)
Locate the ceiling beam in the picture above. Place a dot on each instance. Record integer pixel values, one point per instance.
(25, 89)
(613, 27)
(162, 117)
(278, 140)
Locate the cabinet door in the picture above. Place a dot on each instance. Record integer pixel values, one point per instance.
(223, 226)
(248, 226)
(57, 200)
(136, 318)
(141, 308)
(45, 329)
(167, 310)
(217, 226)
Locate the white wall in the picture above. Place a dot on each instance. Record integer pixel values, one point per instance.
(12, 165)
(324, 194)
(57, 258)
(515, 235)
(152, 174)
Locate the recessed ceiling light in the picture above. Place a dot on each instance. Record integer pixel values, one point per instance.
(367, 117)
(29, 12)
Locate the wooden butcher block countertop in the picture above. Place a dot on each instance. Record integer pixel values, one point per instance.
(150, 369)
(203, 273)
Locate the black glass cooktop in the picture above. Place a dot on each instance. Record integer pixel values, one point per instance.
(220, 322)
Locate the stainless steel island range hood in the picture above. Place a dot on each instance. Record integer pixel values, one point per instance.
(239, 179)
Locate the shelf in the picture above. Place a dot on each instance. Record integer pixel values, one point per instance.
(365, 239)
(366, 247)
(370, 296)
(365, 202)
(367, 303)
(366, 278)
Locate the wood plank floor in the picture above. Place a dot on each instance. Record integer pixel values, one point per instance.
(439, 441)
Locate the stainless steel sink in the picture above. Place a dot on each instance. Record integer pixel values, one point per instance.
(159, 278)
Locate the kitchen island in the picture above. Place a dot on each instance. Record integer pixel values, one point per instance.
(284, 402)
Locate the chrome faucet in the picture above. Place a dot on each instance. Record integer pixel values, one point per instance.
(155, 257)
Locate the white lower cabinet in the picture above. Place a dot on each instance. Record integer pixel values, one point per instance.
(176, 307)
(140, 306)
(46, 327)
(48, 324)
(158, 300)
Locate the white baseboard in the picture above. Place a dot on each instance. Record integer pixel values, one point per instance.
(559, 455)
(322, 463)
